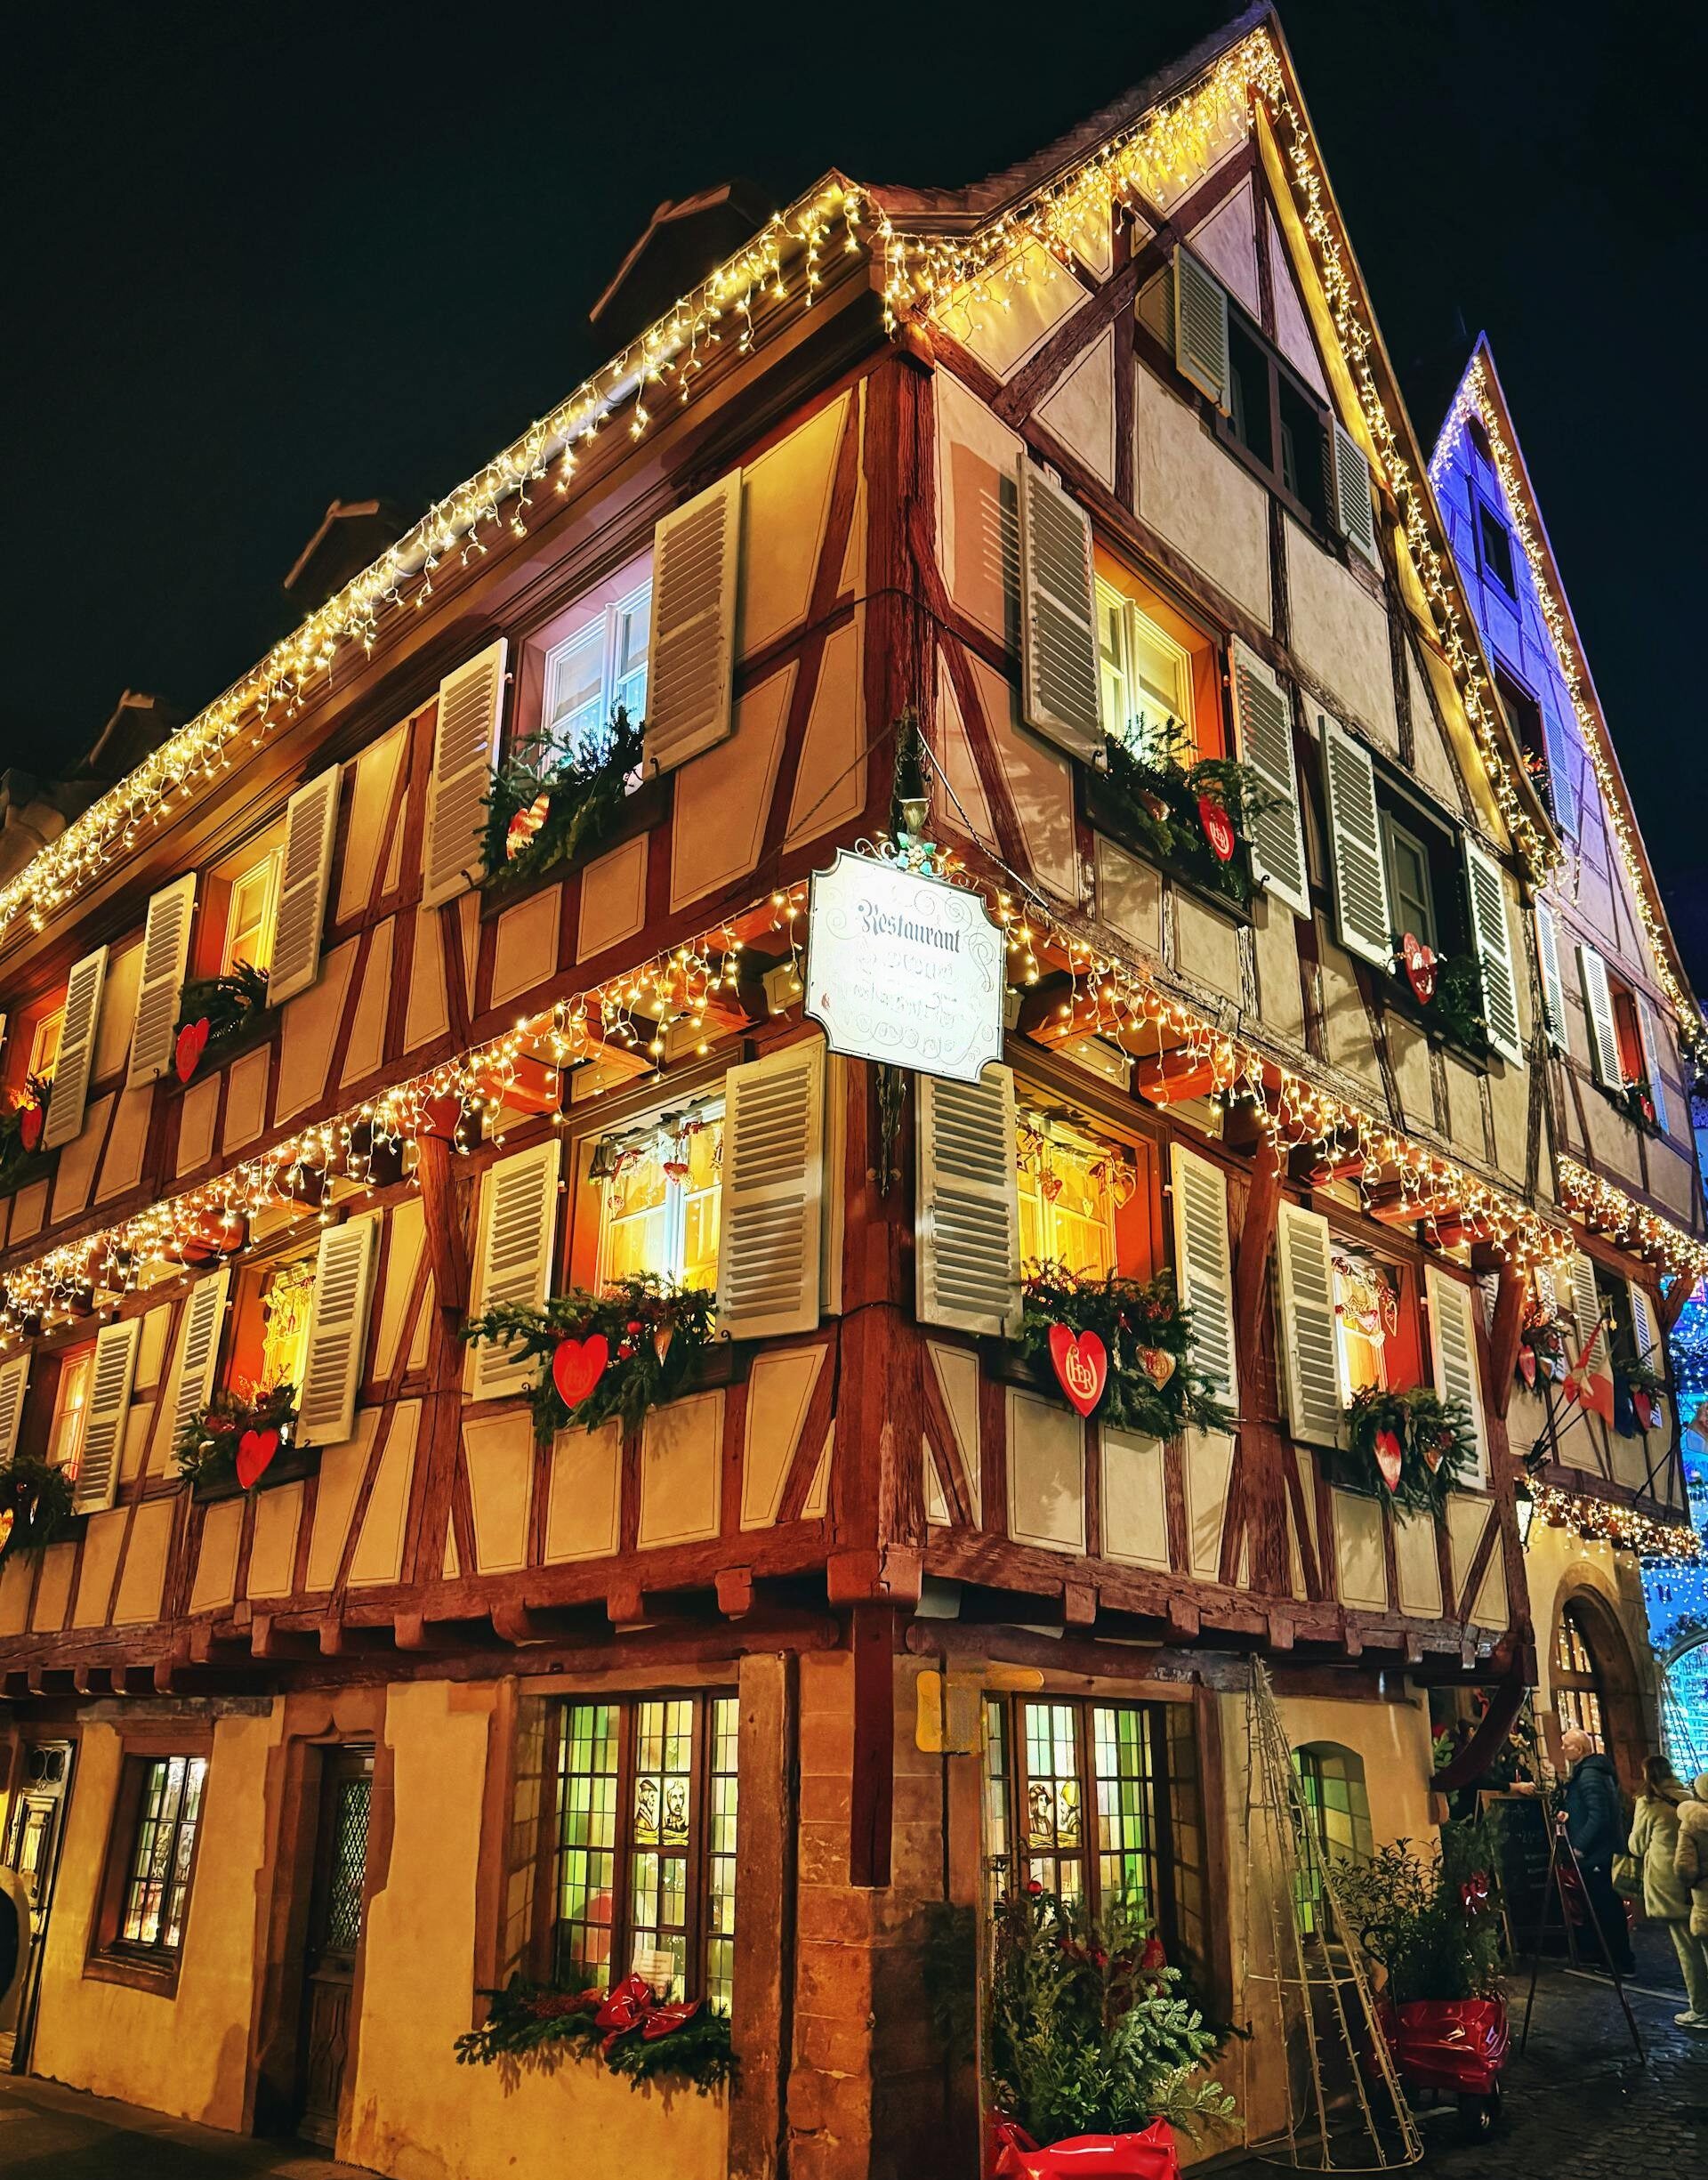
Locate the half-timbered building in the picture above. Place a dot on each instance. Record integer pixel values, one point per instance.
(1099, 461)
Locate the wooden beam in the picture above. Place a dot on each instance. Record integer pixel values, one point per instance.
(447, 1248)
(1504, 1335)
(873, 1772)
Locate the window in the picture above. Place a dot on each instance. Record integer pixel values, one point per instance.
(1153, 665)
(45, 1044)
(71, 1409)
(645, 1842)
(660, 1189)
(250, 910)
(1280, 424)
(157, 1880)
(1367, 1320)
(1494, 548)
(1576, 1678)
(1337, 1805)
(591, 661)
(1411, 888)
(1099, 1802)
(270, 1325)
(1085, 1198)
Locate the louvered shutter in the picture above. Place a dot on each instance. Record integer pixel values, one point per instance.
(1366, 921)
(1493, 941)
(1266, 744)
(309, 822)
(1204, 1267)
(1564, 760)
(1355, 513)
(1309, 1348)
(1058, 670)
(1586, 1312)
(1453, 1346)
(1200, 326)
(109, 1405)
(1649, 1350)
(14, 1383)
(1553, 990)
(771, 1214)
(967, 1229)
(1604, 1034)
(691, 649)
(165, 955)
(337, 1341)
(518, 1205)
(64, 1122)
(465, 748)
(199, 1347)
(1650, 1027)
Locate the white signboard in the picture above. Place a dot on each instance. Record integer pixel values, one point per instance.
(905, 970)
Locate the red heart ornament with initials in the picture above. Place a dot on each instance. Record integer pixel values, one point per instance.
(256, 1451)
(30, 1121)
(1388, 1458)
(192, 1043)
(1082, 1364)
(1218, 828)
(578, 1366)
(1158, 1365)
(1420, 967)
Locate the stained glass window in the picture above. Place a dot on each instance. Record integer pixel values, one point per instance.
(157, 1893)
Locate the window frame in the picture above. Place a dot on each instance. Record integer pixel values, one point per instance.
(1489, 517)
(1062, 1086)
(588, 1252)
(75, 1362)
(1576, 1681)
(1394, 833)
(251, 1275)
(267, 866)
(1271, 472)
(545, 1938)
(111, 1956)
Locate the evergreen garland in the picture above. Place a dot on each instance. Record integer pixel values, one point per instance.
(1151, 782)
(584, 790)
(19, 1162)
(206, 1444)
(39, 1496)
(230, 1003)
(654, 1329)
(1130, 1317)
(531, 2020)
(1438, 1444)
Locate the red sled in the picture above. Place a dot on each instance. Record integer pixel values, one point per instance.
(1454, 2048)
(1148, 2155)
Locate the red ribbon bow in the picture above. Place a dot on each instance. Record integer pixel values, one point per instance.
(1473, 1892)
(630, 2005)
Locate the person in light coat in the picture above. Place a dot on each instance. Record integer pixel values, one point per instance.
(1655, 1834)
(1690, 1865)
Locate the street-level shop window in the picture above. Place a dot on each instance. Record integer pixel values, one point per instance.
(657, 1191)
(156, 1897)
(1085, 1194)
(71, 1409)
(1098, 1802)
(645, 1842)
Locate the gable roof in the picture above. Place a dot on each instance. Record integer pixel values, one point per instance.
(1480, 394)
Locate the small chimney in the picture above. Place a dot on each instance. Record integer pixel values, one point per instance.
(684, 240)
(353, 535)
(140, 723)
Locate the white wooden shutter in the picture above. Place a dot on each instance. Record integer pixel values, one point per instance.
(1493, 936)
(967, 1226)
(1586, 1312)
(518, 1224)
(1058, 670)
(1266, 744)
(691, 648)
(71, 1070)
(1644, 1330)
(1366, 921)
(770, 1220)
(1355, 513)
(109, 1405)
(1310, 1348)
(1651, 1027)
(14, 1383)
(1200, 326)
(465, 748)
(1604, 1035)
(1452, 1348)
(337, 1341)
(165, 955)
(199, 1347)
(309, 822)
(1204, 1266)
(1553, 990)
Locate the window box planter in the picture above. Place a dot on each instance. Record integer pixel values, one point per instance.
(1194, 867)
(289, 1464)
(1133, 1338)
(644, 808)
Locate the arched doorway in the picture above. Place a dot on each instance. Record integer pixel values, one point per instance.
(1592, 1684)
(1684, 1706)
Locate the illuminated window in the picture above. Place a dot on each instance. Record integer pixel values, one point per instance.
(1145, 675)
(661, 1189)
(156, 1889)
(1098, 1802)
(1079, 1196)
(1337, 1804)
(646, 1843)
(596, 664)
(1576, 1679)
(1366, 1323)
(71, 1410)
(45, 1044)
(250, 910)
(270, 1325)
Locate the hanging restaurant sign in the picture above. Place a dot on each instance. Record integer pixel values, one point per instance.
(905, 970)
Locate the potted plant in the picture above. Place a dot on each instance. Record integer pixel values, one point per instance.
(636, 1345)
(36, 1505)
(550, 807)
(1087, 2033)
(1409, 1448)
(1143, 1333)
(238, 1439)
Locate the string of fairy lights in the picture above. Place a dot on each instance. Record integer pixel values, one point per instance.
(1605, 1206)
(1476, 398)
(1627, 1529)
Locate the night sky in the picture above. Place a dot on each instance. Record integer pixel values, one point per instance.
(261, 257)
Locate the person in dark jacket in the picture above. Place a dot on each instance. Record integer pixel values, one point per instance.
(1595, 1824)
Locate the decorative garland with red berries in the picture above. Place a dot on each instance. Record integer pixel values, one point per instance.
(616, 1353)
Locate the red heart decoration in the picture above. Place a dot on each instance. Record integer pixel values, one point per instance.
(1388, 1458)
(256, 1451)
(192, 1043)
(1218, 828)
(1082, 1364)
(1420, 967)
(578, 1366)
(30, 1121)
(1527, 1365)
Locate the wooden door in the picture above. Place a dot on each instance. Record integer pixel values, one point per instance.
(32, 1848)
(334, 1943)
